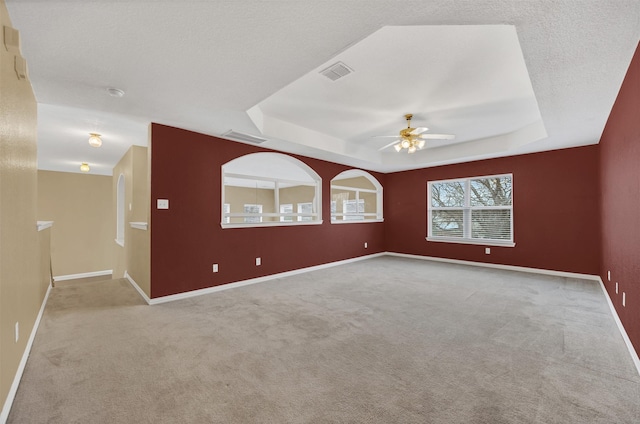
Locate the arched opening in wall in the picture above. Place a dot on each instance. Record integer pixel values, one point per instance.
(356, 196)
(267, 189)
(120, 210)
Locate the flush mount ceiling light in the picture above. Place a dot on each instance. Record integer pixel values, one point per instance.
(95, 140)
(115, 92)
(85, 167)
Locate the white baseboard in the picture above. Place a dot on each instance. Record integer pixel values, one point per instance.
(23, 362)
(623, 332)
(499, 266)
(236, 284)
(137, 287)
(83, 275)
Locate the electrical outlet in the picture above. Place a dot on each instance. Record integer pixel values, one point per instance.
(17, 331)
(366, 245)
(624, 299)
(215, 267)
(609, 275)
(258, 261)
(616, 287)
(487, 250)
(163, 203)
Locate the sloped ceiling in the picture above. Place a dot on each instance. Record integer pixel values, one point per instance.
(505, 77)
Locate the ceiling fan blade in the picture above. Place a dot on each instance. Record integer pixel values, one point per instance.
(384, 136)
(389, 145)
(437, 136)
(419, 130)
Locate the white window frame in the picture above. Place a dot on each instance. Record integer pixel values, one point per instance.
(359, 217)
(467, 212)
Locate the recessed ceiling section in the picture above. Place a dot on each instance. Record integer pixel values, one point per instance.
(467, 80)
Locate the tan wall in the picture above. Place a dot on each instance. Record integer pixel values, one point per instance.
(134, 256)
(21, 287)
(297, 194)
(83, 229)
(356, 182)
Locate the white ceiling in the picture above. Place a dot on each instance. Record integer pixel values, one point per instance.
(460, 67)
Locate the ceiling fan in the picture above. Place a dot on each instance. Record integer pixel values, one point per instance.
(413, 139)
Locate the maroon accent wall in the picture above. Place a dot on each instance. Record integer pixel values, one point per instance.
(187, 238)
(556, 212)
(620, 206)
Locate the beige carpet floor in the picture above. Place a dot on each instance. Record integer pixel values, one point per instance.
(385, 340)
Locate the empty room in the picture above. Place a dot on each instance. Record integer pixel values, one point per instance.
(320, 211)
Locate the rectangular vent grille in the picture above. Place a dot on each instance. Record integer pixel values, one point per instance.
(336, 71)
(238, 136)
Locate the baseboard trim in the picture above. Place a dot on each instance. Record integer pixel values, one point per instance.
(137, 287)
(623, 332)
(4, 415)
(83, 275)
(200, 292)
(499, 266)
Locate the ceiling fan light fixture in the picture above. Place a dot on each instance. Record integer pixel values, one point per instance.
(420, 144)
(95, 140)
(398, 147)
(85, 167)
(405, 144)
(412, 149)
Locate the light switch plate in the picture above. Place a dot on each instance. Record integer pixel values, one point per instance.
(163, 203)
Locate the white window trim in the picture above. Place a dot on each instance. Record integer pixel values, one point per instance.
(467, 226)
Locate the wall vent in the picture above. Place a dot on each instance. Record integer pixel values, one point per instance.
(336, 71)
(248, 138)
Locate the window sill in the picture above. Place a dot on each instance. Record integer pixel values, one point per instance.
(362, 221)
(270, 224)
(476, 242)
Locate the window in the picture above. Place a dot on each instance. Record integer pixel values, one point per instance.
(476, 210)
(305, 211)
(262, 189)
(351, 212)
(252, 213)
(286, 212)
(226, 209)
(356, 196)
(120, 213)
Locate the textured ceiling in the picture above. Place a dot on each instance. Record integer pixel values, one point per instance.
(251, 66)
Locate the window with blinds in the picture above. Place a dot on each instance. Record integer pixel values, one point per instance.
(476, 210)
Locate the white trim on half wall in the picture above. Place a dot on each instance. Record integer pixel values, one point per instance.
(83, 275)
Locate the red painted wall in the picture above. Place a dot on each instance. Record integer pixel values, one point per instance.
(556, 212)
(620, 206)
(187, 238)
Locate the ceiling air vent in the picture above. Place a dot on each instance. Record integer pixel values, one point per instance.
(336, 71)
(247, 138)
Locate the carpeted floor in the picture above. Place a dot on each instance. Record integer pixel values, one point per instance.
(385, 340)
